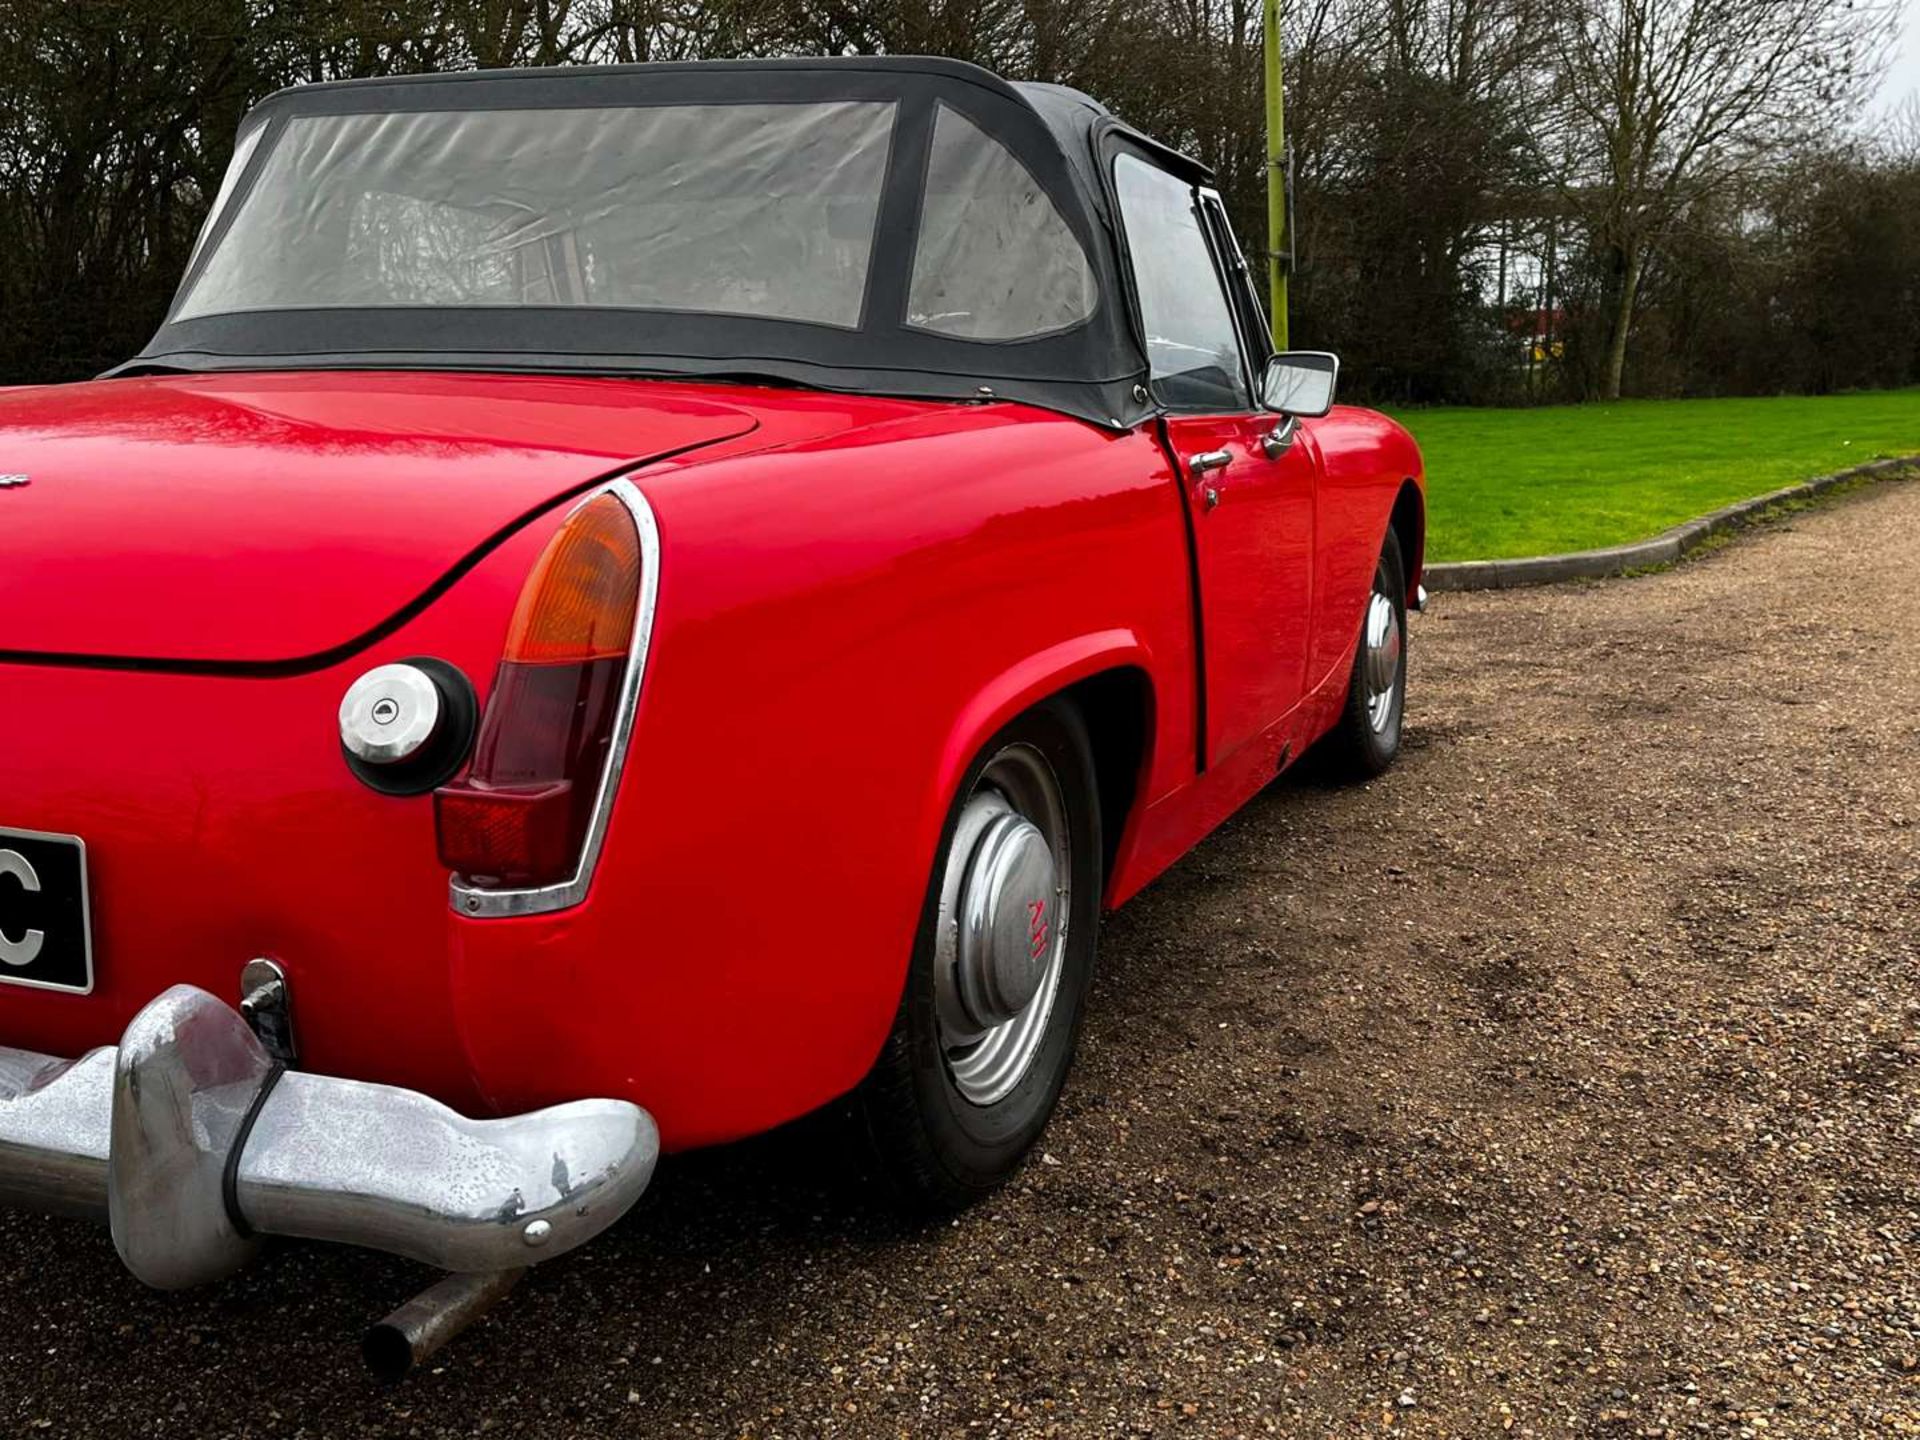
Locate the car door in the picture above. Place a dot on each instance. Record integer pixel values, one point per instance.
(1249, 481)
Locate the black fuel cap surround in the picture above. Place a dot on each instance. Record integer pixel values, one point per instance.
(407, 727)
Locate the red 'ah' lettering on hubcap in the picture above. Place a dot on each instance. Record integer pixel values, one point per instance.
(1037, 926)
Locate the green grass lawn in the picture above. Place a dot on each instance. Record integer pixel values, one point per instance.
(1572, 477)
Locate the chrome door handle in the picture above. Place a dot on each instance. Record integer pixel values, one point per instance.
(1209, 460)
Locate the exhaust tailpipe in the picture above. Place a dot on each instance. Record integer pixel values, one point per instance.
(418, 1329)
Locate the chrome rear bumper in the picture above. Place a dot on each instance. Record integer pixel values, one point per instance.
(188, 1141)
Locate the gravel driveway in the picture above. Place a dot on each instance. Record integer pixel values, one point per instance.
(1562, 1082)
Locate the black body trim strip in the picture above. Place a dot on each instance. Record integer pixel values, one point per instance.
(1193, 589)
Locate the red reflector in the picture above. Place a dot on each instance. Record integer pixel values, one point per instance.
(522, 835)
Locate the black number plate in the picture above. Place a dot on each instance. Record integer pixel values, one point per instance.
(46, 937)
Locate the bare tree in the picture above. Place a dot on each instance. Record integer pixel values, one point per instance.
(1899, 133)
(1668, 102)
(1491, 192)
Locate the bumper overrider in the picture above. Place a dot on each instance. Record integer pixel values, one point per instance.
(193, 1142)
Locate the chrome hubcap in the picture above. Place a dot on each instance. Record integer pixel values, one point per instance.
(1382, 667)
(1004, 900)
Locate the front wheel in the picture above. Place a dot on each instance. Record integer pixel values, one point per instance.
(1366, 738)
(996, 987)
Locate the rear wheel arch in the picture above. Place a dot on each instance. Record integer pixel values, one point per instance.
(1117, 707)
(1107, 676)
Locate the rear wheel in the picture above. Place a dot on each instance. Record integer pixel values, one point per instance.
(995, 991)
(1366, 738)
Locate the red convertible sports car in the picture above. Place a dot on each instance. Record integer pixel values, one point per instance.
(635, 603)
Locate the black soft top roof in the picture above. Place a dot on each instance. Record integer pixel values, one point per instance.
(1095, 369)
(1079, 124)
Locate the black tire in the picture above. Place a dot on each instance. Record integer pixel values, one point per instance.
(1356, 748)
(939, 1149)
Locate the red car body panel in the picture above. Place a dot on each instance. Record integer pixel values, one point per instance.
(1253, 526)
(854, 595)
(374, 486)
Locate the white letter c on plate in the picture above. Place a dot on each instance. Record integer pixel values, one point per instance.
(25, 951)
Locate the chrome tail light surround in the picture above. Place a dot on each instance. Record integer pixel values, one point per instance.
(482, 902)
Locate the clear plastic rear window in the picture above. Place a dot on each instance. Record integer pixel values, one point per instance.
(760, 210)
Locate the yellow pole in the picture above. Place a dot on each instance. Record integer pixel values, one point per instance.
(1277, 237)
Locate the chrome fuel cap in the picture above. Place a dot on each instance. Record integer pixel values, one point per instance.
(389, 713)
(1007, 919)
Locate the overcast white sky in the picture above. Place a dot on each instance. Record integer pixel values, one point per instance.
(1903, 75)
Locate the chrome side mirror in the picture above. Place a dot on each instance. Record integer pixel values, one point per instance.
(1300, 383)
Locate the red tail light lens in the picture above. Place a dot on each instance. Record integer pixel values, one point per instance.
(520, 818)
